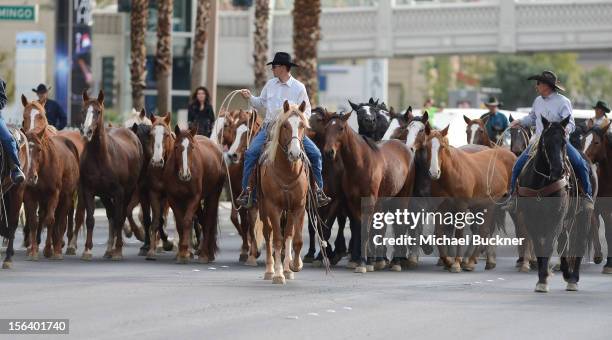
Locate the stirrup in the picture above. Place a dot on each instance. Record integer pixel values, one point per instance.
(322, 199)
(245, 200)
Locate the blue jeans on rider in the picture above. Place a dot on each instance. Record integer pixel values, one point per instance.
(581, 167)
(252, 155)
(8, 143)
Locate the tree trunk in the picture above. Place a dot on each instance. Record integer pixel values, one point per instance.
(260, 37)
(306, 35)
(138, 27)
(163, 55)
(202, 19)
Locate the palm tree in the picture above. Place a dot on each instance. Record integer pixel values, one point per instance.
(306, 35)
(260, 43)
(202, 19)
(138, 27)
(163, 55)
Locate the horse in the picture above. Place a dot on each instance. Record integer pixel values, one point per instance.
(194, 171)
(283, 184)
(547, 208)
(479, 179)
(598, 149)
(519, 138)
(111, 166)
(52, 183)
(384, 170)
(373, 118)
(11, 195)
(476, 132)
(137, 118)
(397, 126)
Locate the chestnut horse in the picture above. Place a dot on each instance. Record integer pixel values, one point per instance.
(476, 132)
(194, 172)
(283, 188)
(52, 183)
(384, 170)
(476, 179)
(111, 166)
(12, 196)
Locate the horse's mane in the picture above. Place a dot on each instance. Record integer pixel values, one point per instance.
(270, 150)
(370, 142)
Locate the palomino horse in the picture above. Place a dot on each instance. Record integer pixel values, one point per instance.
(385, 170)
(282, 195)
(111, 166)
(137, 118)
(598, 149)
(547, 208)
(476, 181)
(373, 118)
(194, 172)
(12, 195)
(52, 183)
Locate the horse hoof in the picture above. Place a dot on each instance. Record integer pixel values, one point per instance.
(557, 267)
(351, 265)
(182, 259)
(243, 258)
(541, 288)
(380, 265)
(278, 280)
(150, 255)
(607, 270)
(117, 258)
(468, 267)
(571, 287)
(317, 263)
(525, 267)
(32, 258)
(268, 276)
(396, 268)
(203, 259)
(455, 268)
(412, 263)
(295, 267)
(289, 275)
(308, 258)
(47, 253)
(168, 245)
(70, 251)
(440, 263)
(86, 257)
(7, 265)
(598, 259)
(107, 255)
(490, 265)
(335, 259)
(251, 262)
(57, 257)
(370, 268)
(518, 264)
(360, 269)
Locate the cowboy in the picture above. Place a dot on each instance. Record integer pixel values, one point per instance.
(8, 142)
(55, 114)
(601, 109)
(554, 107)
(496, 121)
(278, 89)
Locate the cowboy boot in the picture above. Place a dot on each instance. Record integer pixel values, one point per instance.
(17, 176)
(245, 199)
(322, 199)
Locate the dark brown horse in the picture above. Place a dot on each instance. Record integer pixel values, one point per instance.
(385, 170)
(52, 183)
(194, 172)
(111, 166)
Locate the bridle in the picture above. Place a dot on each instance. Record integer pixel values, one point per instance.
(542, 144)
(523, 133)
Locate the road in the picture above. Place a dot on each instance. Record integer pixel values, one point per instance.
(225, 300)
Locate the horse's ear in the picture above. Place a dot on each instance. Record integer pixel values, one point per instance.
(354, 106)
(467, 120)
(408, 114)
(143, 113)
(286, 106)
(445, 131)
(303, 106)
(24, 100)
(371, 101)
(511, 119)
(425, 118)
(565, 121)
(135, 127)
(85, 96)
(177, 130)
(101, 97)
(427, 129)
(168, 117)
(545, 122)
(345, 116)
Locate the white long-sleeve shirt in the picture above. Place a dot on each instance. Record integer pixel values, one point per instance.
(274, 94)
(554, 108)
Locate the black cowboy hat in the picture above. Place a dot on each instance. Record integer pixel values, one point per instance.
(282, 58)
(492, 102)
(548, 77)
(602, 105)
(42, 88)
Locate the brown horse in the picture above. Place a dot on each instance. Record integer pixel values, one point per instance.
(194, 172)
(282, 195)
(53, 177)
(598, 149)
(12, 196)
(476, 132)
(477, 179)
(384, 170)
(111, 166)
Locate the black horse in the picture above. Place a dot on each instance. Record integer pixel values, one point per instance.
(373, 118)
(548, 205)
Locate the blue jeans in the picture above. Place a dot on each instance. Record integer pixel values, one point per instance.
(252, 155)
(8, 143)
(580, 165)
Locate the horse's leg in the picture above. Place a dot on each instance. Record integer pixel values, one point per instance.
(483, 232)
(594, 231)
(298, 225)
(186, 220)
(267, 233)
(340, 242)
(208, 246)
(121, 201)
(250, 220)
(274, 216)
(524, 247)
(87, 197)
(31, 225)
(167, 245)
(289, 230)
(156, 211)
(607, 218)
(79, 219)
(244, 235)
(310, 255)
(15, 199)
(70, 220)
(247, 240)
(145, 206)
(182, 255)
(59, 228)
(109, 208)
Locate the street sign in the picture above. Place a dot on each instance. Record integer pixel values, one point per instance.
(19, 13)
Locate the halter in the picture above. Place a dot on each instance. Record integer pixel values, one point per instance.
(285, 147)
(523, 132)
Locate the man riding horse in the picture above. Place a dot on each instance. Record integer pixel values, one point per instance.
(278, 89)
(554, 107)
(8, 142)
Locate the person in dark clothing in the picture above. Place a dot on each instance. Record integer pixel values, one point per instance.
(8, 142)
(200, 111)
(55, 114)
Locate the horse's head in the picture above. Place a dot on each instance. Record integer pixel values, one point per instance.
(519, 138)
(37, 144)
(415, 131)
(366, 115)
(397, 126)
(137, 118)
(242, 130)
(596, 143)
(143, 132)
(230, 119)
(288, 132)
(552, 147)
(161, 140)
(476, 131)
(335, 134)
(183, 151)
(318, 119)
(436, 147)
(34, 114)
(93, 110)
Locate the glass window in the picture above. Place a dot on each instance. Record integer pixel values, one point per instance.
(182, 16)
(181, 63)
(179, 103)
